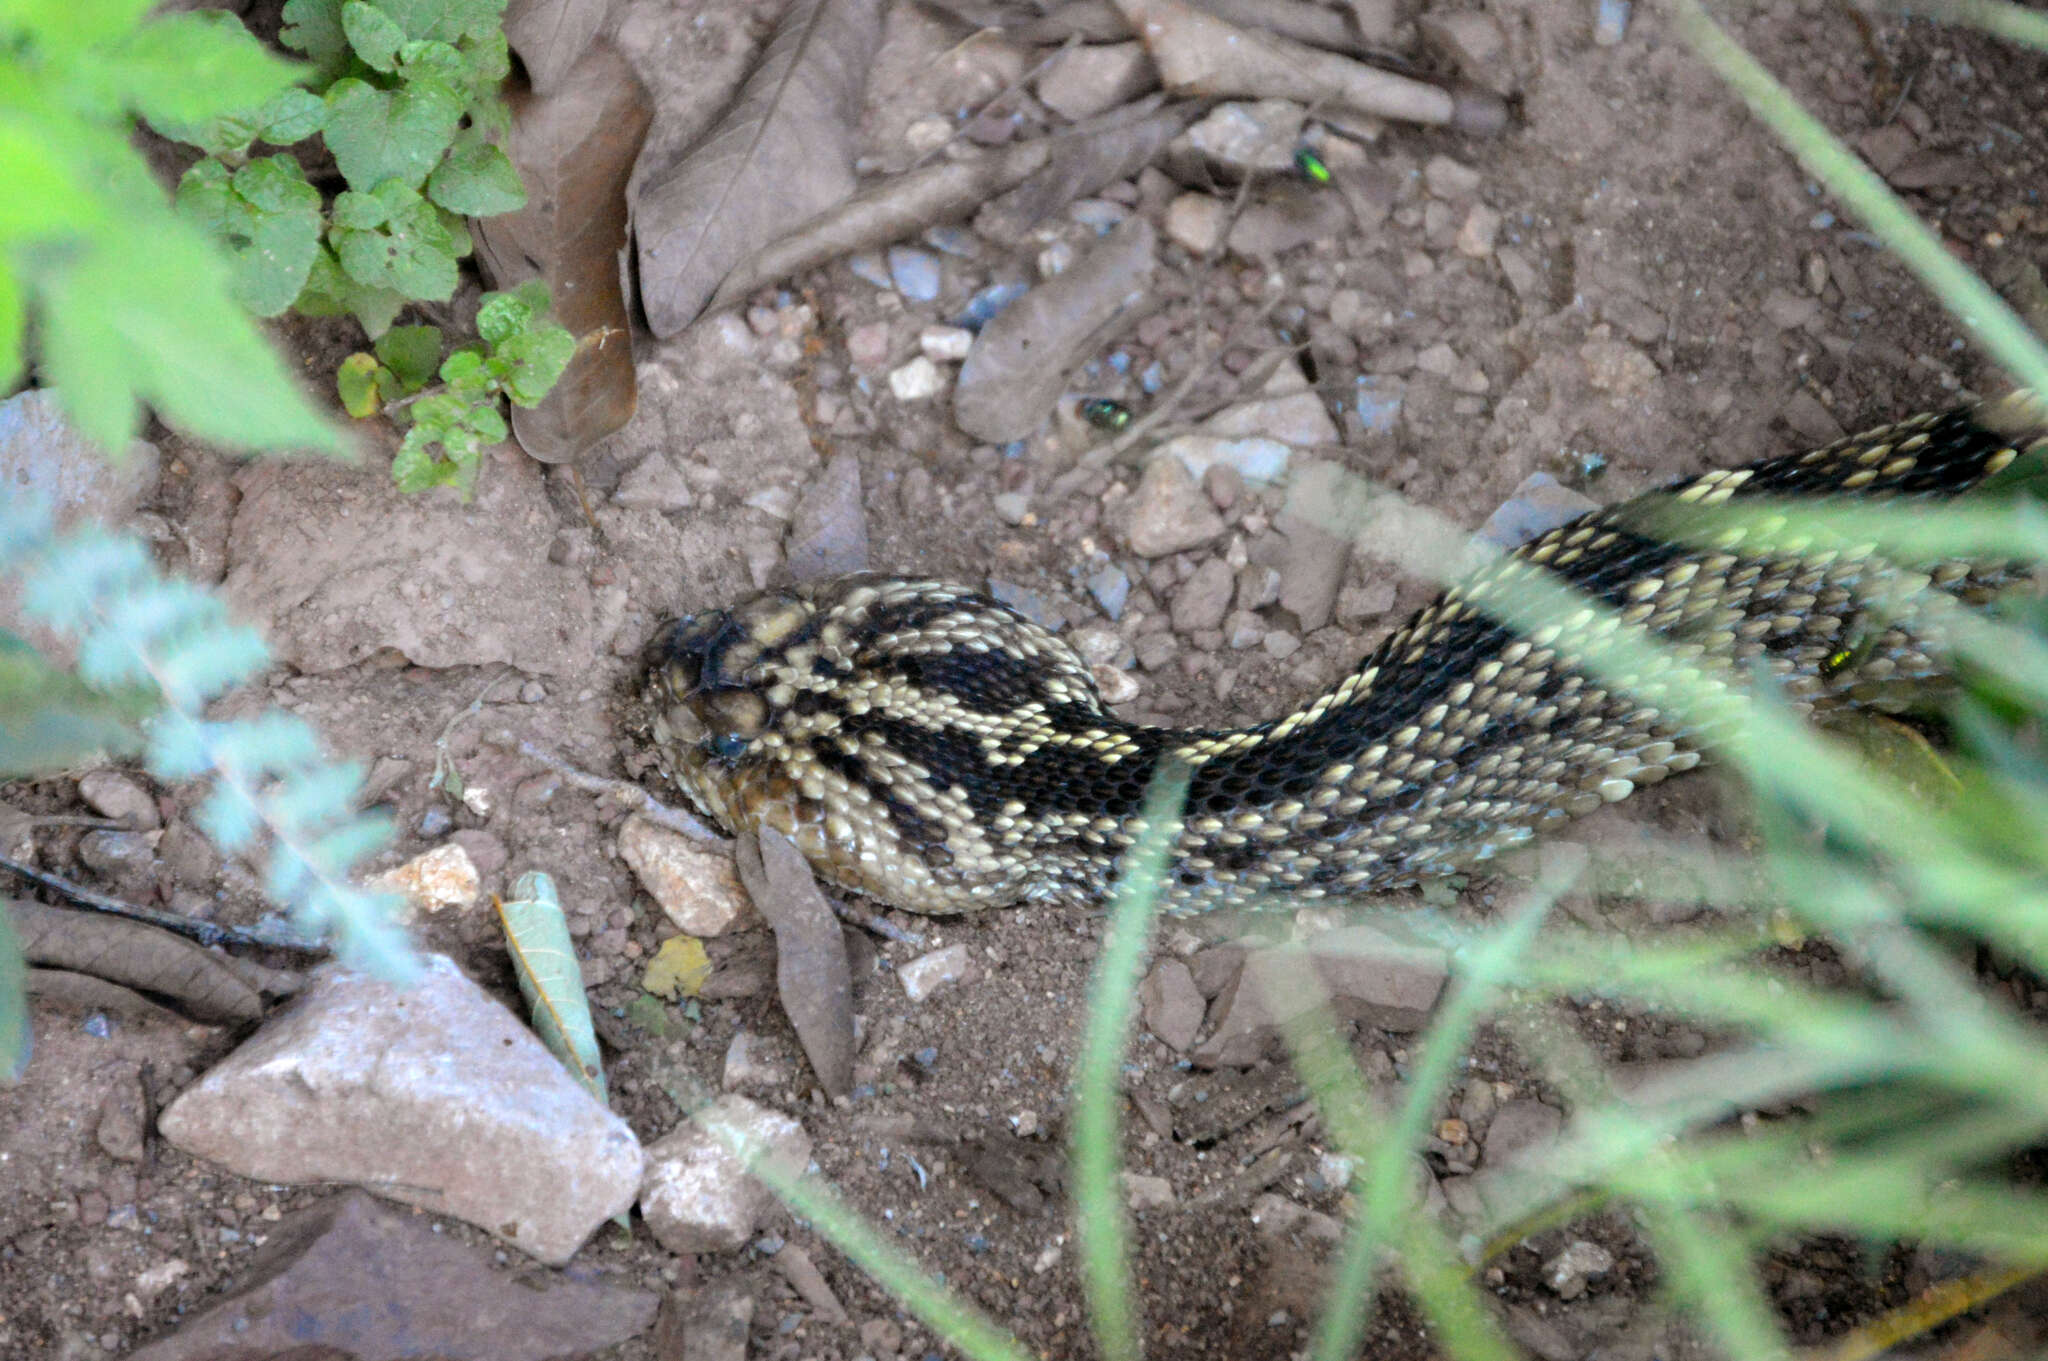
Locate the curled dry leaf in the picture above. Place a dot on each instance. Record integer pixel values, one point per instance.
(782, 154)
(811, 972)
(1100, 151)
(551, 36)
(1200, 54)
(575, 149)
(136, 956)
(1019, 362)
(888, 212)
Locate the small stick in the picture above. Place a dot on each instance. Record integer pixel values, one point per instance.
(624, 791)
(206, 933)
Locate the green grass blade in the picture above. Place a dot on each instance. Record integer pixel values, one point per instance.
(1100, 1222)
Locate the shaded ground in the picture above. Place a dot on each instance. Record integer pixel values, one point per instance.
(1666, 292)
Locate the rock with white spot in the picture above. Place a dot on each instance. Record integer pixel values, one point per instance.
(1168, 512)
(695, 885)
(698, 1195)
(432, 881)
(919, 380)
(1566, 1274)
(945, 344)
(928, 973)
(1250, 134)
(434, 1095)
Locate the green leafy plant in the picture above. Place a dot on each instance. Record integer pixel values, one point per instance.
(129, 303)
(406, 103)
(519, 357)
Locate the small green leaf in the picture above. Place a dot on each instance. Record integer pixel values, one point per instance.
(439, 61)
(374, 35)
(267, 217)
(477, 179)
(360, 212)
(415, 469)
(488, 424)
(329, 292)
(50, 718)
(356, 381)
(411, 253)
(446, 20)
(411, 352)
(377, 135)
(541, 356)
(464, 373)
(314, 28)
(292, 117)
(503, 315)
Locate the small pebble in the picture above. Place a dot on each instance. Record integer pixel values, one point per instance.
(914, 272)
(917, 381)
(983, 306)
(1610, 23)
(1111, 587)
(868, 268)
(942, 344)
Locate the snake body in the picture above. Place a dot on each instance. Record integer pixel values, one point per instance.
(929, 747)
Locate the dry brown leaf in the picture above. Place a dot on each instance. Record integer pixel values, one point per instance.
(1101, 151)
(811, 972)
(780, 156)
(575, 150)
(551, 36)
(136, 955)
(886, 213)
(1200, 54)
(1019, 362)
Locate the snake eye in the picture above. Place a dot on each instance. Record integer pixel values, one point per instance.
(726, 746)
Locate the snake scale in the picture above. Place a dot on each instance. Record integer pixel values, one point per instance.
(932, 749)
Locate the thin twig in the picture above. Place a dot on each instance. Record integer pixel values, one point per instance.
(869, 922)
(624, 791)
(279, 937)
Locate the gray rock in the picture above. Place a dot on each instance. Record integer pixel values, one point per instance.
(653, 484)
(1366, 974)
(1204, 598)
(1521, 1130)
(926, 974)
(1080, 82)
(352, 1278)
(434, 1095)
(1172, 1004)
(1254, 457)
(1312, 572)
(698, 1195)
(1297, 418)
(1111, 587)
(1148, 1193)
(43, 454)
(828, 535)
(118, 795)
(1250, 135)
(1168, 513)
(335, 564)
(914, 272)
(1195, 222)
(1540, 504)
(124, 858)
(1031, 604)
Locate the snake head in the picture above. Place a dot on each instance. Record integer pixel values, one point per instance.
(703, 688)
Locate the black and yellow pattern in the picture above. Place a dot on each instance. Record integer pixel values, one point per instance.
(929, 747)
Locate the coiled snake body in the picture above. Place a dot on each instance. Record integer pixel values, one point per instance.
(931, 748)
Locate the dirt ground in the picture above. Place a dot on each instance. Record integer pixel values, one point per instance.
(1667, 292)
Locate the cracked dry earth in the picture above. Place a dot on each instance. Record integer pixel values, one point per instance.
(1632, 275)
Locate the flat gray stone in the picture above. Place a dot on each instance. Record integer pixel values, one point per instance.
(435, 1096)
(1168, 512)
(1172, 1004)
(828, 535)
